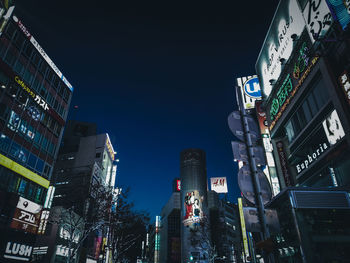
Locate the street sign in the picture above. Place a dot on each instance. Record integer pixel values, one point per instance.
(246, 186)
(240, 153)
(235, 125)
(252, 220)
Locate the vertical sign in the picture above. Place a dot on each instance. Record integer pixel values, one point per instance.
(345, 84)
(283, 161)
(244, 232)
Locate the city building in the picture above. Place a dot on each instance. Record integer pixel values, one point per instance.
(170, 239)
(224, 228)
(85, 173)
(34, 103)
(303, 73)
(195, 238)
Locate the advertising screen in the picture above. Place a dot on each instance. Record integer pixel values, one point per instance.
(193, 209)
(287, 23)
(333, 128)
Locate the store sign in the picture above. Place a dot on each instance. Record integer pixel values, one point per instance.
(345, 85)
(110, 148)
(40, 101)
(333, 128)
(42, 52)
(219, 184)
(243, 228)
(284, 165)
(318, 18)
(27, 215)
(250, 90)
(18, 251)
(286, 92)
(278, 45)
(310, 158)
(193, 209)
(340, 10)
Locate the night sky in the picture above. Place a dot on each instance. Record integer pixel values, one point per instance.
(156, 76)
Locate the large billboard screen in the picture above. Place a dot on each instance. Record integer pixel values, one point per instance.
(287, 23)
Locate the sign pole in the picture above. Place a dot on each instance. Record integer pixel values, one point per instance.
(257, 188)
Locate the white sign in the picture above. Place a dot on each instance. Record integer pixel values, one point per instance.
(18, 251)
(278, 45)
(219, 184)
(28, 206)
(318, 18)
(333, 128)
(42, 52)
(250, 89)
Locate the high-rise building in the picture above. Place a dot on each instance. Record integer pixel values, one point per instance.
(34, 102)
(224, 228)
(194, 203)
(170, 240)
(85, 167)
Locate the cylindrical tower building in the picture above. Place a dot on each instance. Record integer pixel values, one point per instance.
(194, 203)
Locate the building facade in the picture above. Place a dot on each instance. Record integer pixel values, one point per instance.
(305, 85)
(194, 204)
(34, 103)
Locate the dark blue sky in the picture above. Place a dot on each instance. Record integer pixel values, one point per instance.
(156, 75)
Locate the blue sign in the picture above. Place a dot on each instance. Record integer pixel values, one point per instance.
(340, 11)
(252, 88)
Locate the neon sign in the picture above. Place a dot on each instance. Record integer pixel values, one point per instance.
(40, 101)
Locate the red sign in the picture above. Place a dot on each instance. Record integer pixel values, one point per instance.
(178, 185)
(261, 117)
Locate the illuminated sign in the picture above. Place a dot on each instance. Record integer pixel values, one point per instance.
(219, 184)
(318, 19)
(110, 148)
(17, 168)
(284, 95)
(288, 22)
(178, 185)
(345, 84)
(311, 157)
(42, 52)
(333, 128)
(18, 251)
(193, 208)
(26, 216)
(244, 232)
(252, 88)
(40, 101)
(283, 162)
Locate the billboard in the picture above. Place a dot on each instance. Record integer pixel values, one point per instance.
(219, 184)
(42, 52)
(250, 89)
(26, 216)
(318, 19)
(287, 23)
(193, 213)
(333, 128)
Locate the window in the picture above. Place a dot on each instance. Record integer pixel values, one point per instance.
(32, 160)
(28, 49)
(39, 165)
(19, 40)
(22, 187)
(4, 143)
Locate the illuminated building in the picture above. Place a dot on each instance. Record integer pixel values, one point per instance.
(34, 102)
(157, 241)
(306, 87)
(193, 198)
(85, 163)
